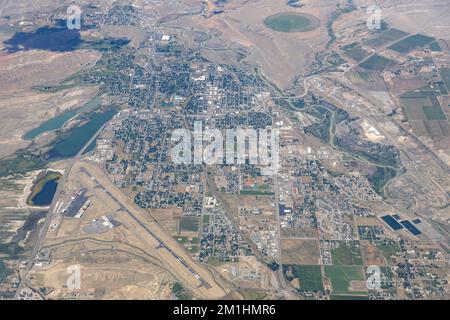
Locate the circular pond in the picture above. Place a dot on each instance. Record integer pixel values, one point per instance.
(292, 22)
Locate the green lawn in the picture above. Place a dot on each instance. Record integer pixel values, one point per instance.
(341, 276)
(310, 277)
(189, 224)
(347, 253)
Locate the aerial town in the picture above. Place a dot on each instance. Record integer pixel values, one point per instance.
(357, 208)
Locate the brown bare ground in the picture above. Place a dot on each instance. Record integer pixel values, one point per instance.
(300, 251)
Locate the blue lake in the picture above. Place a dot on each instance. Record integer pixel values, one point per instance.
(51, 124)
(45, 196)
(75, 139)
(45, 38)
(58, 121)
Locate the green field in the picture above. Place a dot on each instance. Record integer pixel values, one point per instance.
(380, 178)
(433, 113)
(20, 163)
(341, 276)
(376, 63)
(355, 52)
(180, 293)
(292, 22)
(422, 104)
(187, 240)
(412, 42)
(4, 272)
(190, 243)
(347, 297)
(423, 92)
(249, 192)
(310, 277)
(348, 253)
(385, 38)
(445, 75)
(189, 224)
(251, 294)
(388, 249)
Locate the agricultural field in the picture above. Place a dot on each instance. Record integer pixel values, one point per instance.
(376, 63)
(445, 75)
(309, 276)
(389, 249)
(20, 163)
(424, 113)
(294, 251)
(355, 52)
(412, 42)
(189, 224)
(341, 278)
(346, 253)
(292, 22)
(180, 293)
(433, 113)
(385, 38)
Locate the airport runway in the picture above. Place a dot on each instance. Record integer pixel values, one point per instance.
(161, 243)
(51, 211)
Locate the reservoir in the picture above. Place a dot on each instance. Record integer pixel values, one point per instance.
(45, 38)
(45, 196)
(76, 138)
(51, 124)
(58, 121)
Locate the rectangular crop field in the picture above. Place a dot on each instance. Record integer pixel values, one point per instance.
(376, 63)
(412, 42)
(341, 278)
(346, 253)
(310, 277)
(385, 37)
